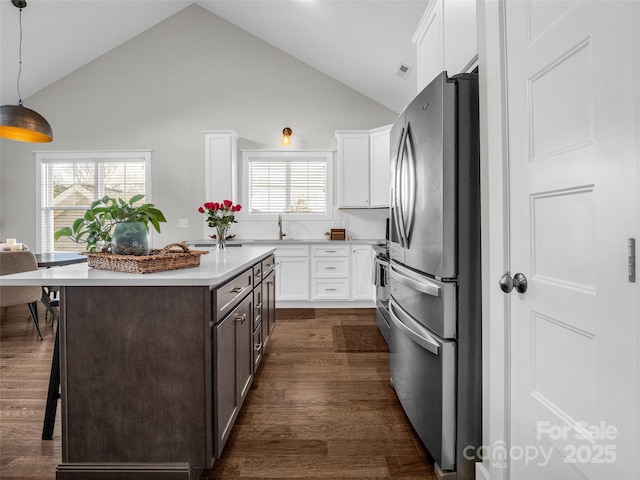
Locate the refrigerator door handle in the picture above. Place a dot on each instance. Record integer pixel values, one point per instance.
(406, 277)
(403, 189)
(412, 329)
(411, 169)
(398, 190)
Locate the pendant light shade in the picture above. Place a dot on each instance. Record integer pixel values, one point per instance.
(20, 123)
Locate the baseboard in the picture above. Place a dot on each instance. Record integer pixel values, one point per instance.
(296, 313)
(444, 475)
(127, 471)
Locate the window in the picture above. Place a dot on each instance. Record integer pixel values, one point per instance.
(68, 182)
(293, 183)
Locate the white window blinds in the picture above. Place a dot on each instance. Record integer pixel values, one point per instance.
(70, 181)
(292, 184)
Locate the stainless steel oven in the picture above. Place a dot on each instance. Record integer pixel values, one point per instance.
(381, 281)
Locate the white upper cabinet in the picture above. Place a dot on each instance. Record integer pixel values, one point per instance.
(353, 168)
(363, 168)
(221, 165)
(446, 39)
(380, 175)
(460, 36)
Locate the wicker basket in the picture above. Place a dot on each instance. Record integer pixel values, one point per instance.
(157, 261)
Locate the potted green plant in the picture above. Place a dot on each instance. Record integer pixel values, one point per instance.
(129, 222)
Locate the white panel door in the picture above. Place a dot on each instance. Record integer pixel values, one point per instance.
(574, 370)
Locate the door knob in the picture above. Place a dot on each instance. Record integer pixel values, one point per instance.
(518, 281)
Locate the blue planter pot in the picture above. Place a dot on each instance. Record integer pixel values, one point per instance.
(130, 238)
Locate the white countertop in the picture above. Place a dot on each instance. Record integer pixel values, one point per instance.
(215, 268)
(286, 242)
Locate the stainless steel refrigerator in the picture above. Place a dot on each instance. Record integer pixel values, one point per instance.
(435, 291)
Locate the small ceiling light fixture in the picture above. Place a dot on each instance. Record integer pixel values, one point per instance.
(286, 137)
(18, 122)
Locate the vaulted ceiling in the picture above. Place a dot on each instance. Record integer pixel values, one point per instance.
(361, 43)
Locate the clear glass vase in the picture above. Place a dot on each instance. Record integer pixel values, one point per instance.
(221, 237)
(130, 238)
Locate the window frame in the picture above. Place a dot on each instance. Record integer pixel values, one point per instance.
(288, 155)
(66, 156)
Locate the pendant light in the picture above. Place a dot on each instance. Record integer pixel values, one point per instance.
(18, 122)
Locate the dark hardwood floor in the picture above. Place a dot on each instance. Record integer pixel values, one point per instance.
(311, 412)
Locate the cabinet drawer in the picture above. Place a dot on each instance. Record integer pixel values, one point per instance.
(330, 250)
(292, 251)
(229, 294)
(268, 264)
(330, 267)
(330, 289)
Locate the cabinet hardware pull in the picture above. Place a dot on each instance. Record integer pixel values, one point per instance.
(241, 318)
(258, 346)
(329, 289)
(329, 268)
(259, 306)
(329, 251)
(237, 289)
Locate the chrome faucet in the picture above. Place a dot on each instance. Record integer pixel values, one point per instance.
(281, 234)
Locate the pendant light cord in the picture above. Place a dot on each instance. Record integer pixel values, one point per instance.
(19, 61)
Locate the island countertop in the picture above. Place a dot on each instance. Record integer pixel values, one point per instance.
(215, 268)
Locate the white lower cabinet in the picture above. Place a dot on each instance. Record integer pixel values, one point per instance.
(292, 273)
(330, 289)
(338, 272)
(361, 273)
(330, 273)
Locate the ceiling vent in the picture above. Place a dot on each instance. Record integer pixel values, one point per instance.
(403, 71)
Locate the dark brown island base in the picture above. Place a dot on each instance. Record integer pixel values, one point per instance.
(155, 367)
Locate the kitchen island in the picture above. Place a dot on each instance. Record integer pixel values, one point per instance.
(155, 367)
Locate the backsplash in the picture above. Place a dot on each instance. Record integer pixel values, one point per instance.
(359, 224)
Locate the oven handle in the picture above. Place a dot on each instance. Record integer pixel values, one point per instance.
(421, 284)
(376, 278)
(412, 329)
(374, 274)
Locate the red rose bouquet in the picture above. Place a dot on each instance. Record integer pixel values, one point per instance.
(220, 216)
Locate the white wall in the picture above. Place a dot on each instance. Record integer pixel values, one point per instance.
(160, 90)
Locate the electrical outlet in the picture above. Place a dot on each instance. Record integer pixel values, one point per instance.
(183, 223)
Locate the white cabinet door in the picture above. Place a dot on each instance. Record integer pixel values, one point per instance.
(353, 168)
(380, 166)
(429, 41)
(221, 167)
(446, 40)
(361, 273)
(460, 42)
(292, 278)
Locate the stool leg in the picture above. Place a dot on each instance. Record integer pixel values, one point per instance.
(33, 308)
(54, 390)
